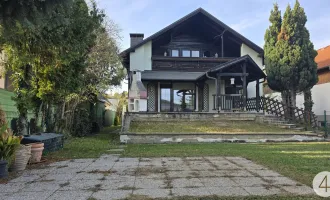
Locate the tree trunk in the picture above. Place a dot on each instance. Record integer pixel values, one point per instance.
(285, 101)
(22, 124)
(308, 105)
(293, 98)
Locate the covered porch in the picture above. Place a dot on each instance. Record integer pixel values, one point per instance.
(223, 88)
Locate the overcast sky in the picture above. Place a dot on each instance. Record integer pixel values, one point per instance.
(248, 17)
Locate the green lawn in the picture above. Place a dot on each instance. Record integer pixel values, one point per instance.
(204, 127)
(300, 161)
(87, 147)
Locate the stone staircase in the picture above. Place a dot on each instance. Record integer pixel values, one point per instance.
(277, 121)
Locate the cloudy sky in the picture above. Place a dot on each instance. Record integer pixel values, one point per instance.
(248, 17)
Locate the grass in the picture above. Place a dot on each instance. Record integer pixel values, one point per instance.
(87, 147)
(203, 127)
(300, 161)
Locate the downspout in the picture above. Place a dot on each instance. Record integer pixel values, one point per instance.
(217, 91)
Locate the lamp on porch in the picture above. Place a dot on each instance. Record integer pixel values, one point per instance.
(232, 81)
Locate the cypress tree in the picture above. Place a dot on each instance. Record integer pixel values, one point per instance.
(290, 64)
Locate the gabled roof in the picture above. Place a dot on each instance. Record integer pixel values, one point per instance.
(185, 18)
(323, 57)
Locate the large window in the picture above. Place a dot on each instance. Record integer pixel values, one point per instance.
(185, 53)
(194, 53)
(175, 53)
(184, 100)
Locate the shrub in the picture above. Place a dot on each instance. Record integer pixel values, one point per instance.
(116, 121)
(81, 124)
(3, 120)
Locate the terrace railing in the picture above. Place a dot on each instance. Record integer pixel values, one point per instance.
(234, 102)
(277, 108)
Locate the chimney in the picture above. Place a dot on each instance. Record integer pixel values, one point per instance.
(136, 38)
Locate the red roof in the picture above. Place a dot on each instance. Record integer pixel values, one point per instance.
(323, 57)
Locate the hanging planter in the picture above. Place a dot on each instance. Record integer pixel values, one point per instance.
(36, 152)
(22, 157)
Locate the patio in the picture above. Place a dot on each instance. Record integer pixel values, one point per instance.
(111, 177)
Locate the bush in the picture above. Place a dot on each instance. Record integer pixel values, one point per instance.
(81, 124)
(116, 121)
(3, 121)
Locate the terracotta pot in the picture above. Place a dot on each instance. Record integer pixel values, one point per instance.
(3, 169)
(37, 145)
(36, 154)
(22, 157)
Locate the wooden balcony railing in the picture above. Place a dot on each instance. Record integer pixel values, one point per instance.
(228, 102)
(168, 63)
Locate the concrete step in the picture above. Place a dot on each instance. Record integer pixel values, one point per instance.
(288, 126)
(275, 122)
(298, 129)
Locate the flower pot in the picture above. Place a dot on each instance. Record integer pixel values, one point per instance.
(3, 169)
(22, 157)
(37, 145)
(36, 154)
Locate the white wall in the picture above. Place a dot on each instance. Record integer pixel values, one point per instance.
(319, 95)
(251, 89)
(141, 58)
(212, 91)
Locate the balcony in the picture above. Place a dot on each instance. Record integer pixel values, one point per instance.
(186, 63)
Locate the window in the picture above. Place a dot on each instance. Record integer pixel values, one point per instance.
(207, 54)
(185, 53)
(175, 53)
(194, 53)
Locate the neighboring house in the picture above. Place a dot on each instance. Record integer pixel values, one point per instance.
(320, 95)
(186, 65)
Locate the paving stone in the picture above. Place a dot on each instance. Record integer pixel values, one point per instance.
(71, 195)
(124, 171)
(202, 191)
(221, 182)
(96, 168)
(264, 172)
(249, 181)
(88, 176)
(26, 178)
(128, 160)
(84, 160)
(5, 195)
(154, 193)
(149, 183)
(263, 191)
(152, 176)
(299, 190)
(237, 173)
(221, 165)
(30, 195)
(115, 184)
(11, 187)
(186, 183)
(111, 194)
(280, 181)
(60, 163)
(58, 177)
(212, 158)
(40, 171)
(42, 186)
(81, 185)
(227, 191)
(183, 174)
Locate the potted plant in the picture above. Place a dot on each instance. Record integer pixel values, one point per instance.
(8, 145)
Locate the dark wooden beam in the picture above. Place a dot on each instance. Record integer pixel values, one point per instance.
(257, 95)
(234, 74)
(218, 91)
(244, 86)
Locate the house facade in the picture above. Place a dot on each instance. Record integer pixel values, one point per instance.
(196, 64)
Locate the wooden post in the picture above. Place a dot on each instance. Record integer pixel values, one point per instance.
(244, 86)
(218, 91)
(257, 95)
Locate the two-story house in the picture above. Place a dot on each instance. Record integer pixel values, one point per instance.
(196, 64)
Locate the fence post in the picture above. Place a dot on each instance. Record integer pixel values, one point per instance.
(325, 124)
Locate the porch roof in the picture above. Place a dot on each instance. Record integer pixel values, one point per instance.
(233, 65)
(171, 75)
